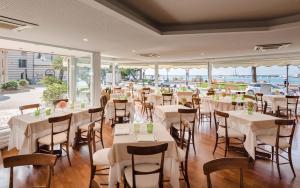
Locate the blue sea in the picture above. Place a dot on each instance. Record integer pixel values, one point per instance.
(231, 78)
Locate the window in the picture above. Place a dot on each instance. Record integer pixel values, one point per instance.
(22, 63)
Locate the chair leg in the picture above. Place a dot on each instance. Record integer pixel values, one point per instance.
(185, 175)
(125, 181)
(272, 150)
(226, 146)
(193, 138)
(217, 138)
(290, 160)
(277, 162)
(93, 169)
(210, 120)
(68, 153)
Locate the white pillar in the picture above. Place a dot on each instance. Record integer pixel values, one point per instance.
(209, 71)
(156, 72)
(113, 75)
(96, 78)
(72, 78)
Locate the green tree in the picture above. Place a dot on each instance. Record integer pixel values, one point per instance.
(57, 64)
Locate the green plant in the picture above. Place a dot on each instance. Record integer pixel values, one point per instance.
(58, 64)
(23, 83)
(11, 85)
(54, 91)
(48, 80)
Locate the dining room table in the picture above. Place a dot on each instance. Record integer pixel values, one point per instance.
(128, 135)
(252, 125)
(220, 103)
(167, 115)
(183, 96)
(27, 128)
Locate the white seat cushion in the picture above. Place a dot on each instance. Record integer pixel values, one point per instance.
(85, 127)
(143, 181)
(57, 139)
(100, 157)
(271, 140)
(231, 133)
(181, 154)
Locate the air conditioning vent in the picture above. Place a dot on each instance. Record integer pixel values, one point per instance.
(149, 55)
(265, 47)
(14, 24)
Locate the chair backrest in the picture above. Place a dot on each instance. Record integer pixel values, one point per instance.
(218, 116)
(183, 141)
(167, 98)
(143, 97)
(285, 129)
(241, 93)
(31, 159)
(149, 108)
(100, 118)
(259, 100)
(188, 104)
(149, 150)
(120, 107)
(90, 142)
(292, 100)
(59, 121)
(195, 95)
(29, 106)
(196, 102)
(55, 102)
(146, 90)
(103, 100)
(225, 163)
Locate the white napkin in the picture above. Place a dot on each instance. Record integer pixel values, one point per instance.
(122, 130)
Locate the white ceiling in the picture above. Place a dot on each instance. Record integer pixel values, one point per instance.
(65, 23)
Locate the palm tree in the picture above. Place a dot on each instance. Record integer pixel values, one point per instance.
(57, 64)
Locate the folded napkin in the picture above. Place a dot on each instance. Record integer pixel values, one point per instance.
(122, 131)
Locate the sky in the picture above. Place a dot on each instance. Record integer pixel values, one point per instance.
(274, 70)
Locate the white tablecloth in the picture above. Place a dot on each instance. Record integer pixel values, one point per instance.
(119, 158)
(27, 128)
(110, 110)
(275, 101)
(167, 114)
(256, 124)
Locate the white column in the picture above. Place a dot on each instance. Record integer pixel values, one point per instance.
(72, 78)
(209, 70)
(156, 72)
(96, 78)
(113, 75)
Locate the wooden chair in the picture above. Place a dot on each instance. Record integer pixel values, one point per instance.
(259, 102)
(202, 113)
(97, 116)
(55, 102)
(149, 110)
(97, 157)
(265, 109)
(152, 173)
(237, 105)
(167, 98)
(290, 109)
(31, 159)
(143, 102)
(146, 90)
(225, 132)
(282, 142)
(60, 137)
(28, 106)
(184, 148)
(95, 184)
(223, 164)
(103, 100)
(176, 128)
(121, 113)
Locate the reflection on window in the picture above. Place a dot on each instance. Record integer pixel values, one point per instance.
(83, 80)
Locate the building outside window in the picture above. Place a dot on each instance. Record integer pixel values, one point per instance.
(22, 63)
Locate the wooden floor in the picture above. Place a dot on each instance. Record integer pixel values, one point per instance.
(264, 174)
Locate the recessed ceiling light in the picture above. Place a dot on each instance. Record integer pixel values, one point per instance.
(133, 51)
(85, 39)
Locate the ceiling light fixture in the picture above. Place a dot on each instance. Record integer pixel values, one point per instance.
(133, 51)
(85, 39)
